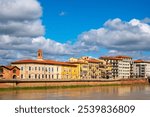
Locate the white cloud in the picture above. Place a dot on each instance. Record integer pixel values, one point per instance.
(20, 10)
(21, 32)
(119, 35)
(62, 13)
(146, 20)
(51, 46)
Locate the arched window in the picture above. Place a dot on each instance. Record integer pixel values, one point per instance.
(14, 76)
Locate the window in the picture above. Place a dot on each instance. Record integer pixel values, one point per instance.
(42, 68)
(42, 75)
(46, 76)
(39, 68)
(29, 76)
(57, 68)
(52, 76)
(29, 68)
(52, 69)
(21, 68)
(35, 76)
(35, 68)
(14, 71)
(39, 76)
(1, 70)
(21, 76)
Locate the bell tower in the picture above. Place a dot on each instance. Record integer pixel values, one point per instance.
(40, 55)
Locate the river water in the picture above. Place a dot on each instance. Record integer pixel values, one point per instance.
(136, 92)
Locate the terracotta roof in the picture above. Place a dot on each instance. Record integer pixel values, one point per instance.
(77, 62)
(141, 61)
(123, 57)
(110, 58)
(10, 67)
(50, 62)
(91, 60)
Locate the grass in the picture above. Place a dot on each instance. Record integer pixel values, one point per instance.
(63, 87)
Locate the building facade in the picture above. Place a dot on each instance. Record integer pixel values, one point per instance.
(9, 72)
(125, 67)
(83, 67)
(96, 68)
(89, 68)
(141, 69)
(69, 72)
(45, 69)
(122, 66)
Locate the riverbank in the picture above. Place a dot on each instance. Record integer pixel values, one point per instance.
(47, 84)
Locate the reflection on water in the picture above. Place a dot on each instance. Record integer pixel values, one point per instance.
(91, 93)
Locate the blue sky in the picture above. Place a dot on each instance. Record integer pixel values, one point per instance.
(74, 28)
(83, 15)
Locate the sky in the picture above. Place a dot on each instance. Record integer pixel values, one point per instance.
(74, 28)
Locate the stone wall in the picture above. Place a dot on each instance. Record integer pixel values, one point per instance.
(13, 84)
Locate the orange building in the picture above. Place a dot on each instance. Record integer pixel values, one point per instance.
(9, 72)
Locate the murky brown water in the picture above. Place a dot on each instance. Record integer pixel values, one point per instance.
(92, 93)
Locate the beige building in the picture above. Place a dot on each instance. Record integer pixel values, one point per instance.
(44, 69)
(96, 68)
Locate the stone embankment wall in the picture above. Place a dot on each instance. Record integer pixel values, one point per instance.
(42, 83)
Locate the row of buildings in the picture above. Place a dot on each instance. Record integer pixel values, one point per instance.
(106, 67)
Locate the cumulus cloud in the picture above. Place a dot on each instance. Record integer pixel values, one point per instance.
(146, 20)
(119, 35)
(62, 13)
(21, 32)
(51, 46)
(19, 10)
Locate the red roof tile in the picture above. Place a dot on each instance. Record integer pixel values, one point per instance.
(91, 60)
(141, 61)
(110, 58)
(77, 62)
(123, 57)
(10, 67)
(50, 62)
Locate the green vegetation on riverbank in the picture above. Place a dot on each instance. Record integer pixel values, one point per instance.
(63, 87)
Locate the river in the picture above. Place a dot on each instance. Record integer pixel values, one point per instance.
(136, 92)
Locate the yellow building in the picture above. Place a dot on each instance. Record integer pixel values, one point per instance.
(82, 67)
(69, 72)
(90, 68)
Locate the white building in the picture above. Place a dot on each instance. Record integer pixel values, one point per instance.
(125, 67)
(141, 69)
(122, 66)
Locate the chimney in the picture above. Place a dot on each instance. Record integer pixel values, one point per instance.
(39, 55)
